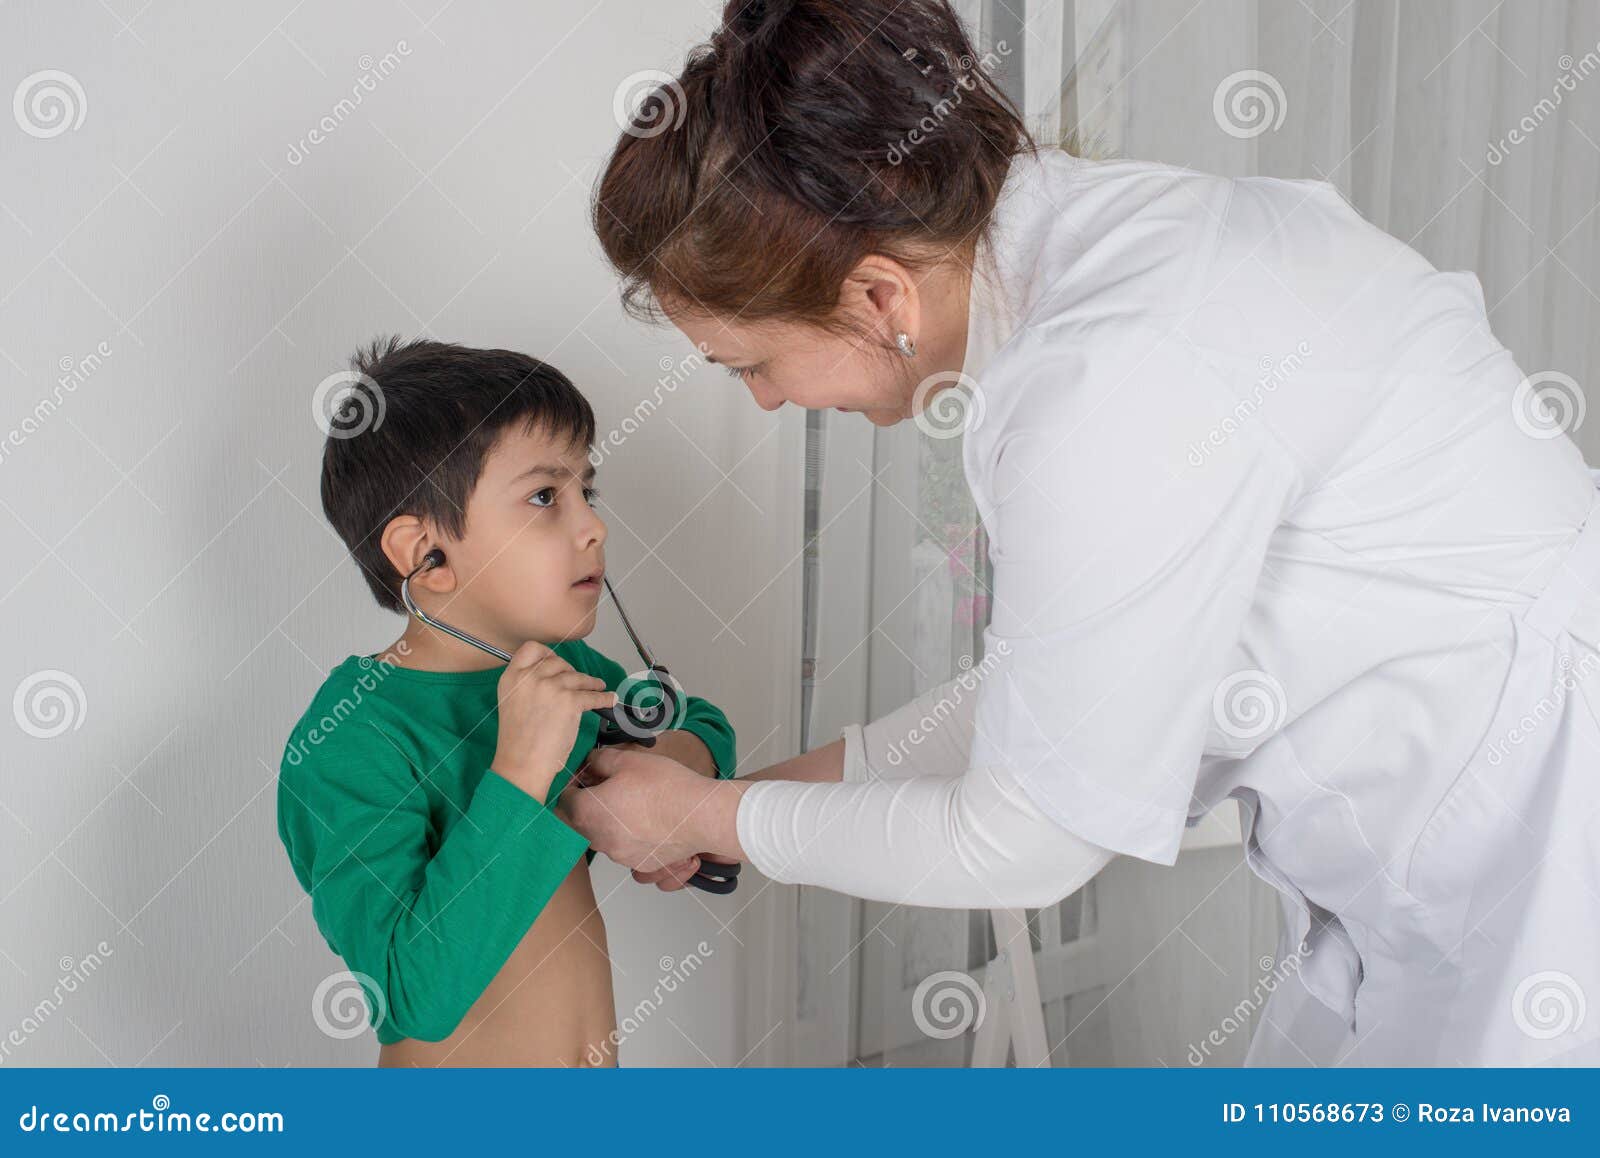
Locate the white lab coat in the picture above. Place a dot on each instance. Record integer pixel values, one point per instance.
(1271, 518)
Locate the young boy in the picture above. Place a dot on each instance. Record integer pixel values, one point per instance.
(416, 795)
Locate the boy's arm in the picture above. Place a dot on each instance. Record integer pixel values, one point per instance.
(705, 722)
(685, 747)
(430, 932)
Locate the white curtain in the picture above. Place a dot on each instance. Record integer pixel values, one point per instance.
(1467, 128)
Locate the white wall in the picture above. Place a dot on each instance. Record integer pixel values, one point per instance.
(165, 542)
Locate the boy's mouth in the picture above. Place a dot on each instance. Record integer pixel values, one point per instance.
(590, 582)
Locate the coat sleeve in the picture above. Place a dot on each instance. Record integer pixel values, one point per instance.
(930, 736)
(974, 841)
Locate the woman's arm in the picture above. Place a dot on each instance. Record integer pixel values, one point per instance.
(863, 752)
(906, 826)
(974, 841)
(969, 842)
(818, 766)
(930, 736)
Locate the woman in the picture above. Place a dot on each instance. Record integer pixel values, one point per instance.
(1273, 517)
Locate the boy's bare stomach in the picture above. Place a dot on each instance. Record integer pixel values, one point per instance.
(549, 1005)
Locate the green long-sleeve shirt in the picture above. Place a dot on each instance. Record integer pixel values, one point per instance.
(425, 867)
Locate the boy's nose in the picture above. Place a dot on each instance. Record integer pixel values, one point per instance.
(593, 530)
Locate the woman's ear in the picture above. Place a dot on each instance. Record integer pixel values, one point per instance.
(883, 294)
(406, 541)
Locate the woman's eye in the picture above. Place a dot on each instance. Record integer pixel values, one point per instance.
(743, 373)
(545, 497)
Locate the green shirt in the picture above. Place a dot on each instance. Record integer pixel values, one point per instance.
(426, 868)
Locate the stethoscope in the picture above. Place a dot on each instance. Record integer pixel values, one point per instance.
(622, 723)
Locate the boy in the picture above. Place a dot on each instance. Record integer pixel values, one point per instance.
(416, 797)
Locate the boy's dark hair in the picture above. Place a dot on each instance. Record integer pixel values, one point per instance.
(410, 432)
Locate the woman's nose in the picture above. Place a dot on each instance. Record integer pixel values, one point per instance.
(767, 397)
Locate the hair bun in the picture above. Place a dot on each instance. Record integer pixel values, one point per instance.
(813, 133)
(751, 19)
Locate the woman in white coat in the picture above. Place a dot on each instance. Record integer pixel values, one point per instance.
(1273, 516)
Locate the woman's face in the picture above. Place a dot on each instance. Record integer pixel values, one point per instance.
(813, 368)
(860, 370)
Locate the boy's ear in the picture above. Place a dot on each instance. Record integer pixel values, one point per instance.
(405, 542)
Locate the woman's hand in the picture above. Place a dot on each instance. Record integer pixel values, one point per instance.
(649, 813)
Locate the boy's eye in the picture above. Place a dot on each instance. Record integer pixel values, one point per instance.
(546, 496)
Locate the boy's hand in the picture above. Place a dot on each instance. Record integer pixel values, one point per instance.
(542, 697)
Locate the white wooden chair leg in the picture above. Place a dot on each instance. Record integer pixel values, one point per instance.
(992, 1041)
(1025, 1008)
(1013, 1012)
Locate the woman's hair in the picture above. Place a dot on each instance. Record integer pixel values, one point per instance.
(805, 136)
